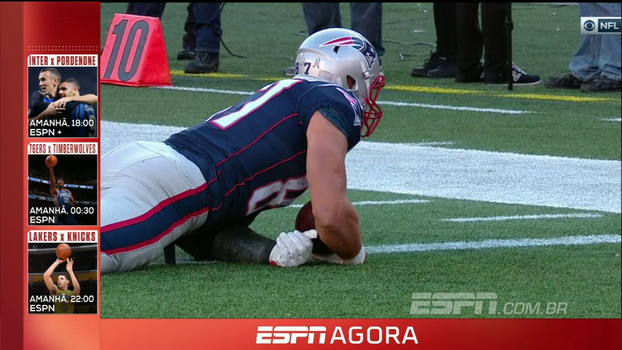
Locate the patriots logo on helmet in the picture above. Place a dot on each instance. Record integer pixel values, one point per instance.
(357, 43)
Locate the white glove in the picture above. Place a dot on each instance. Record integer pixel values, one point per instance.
(292, 249)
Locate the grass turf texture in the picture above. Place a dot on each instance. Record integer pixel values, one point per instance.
(559, 123)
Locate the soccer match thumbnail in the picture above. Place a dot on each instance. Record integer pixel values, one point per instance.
(62, 101)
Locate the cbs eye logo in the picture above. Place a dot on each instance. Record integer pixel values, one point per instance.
(589, 25)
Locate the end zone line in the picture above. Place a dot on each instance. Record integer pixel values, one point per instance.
(390, 103)
(525, 217)
(493, 243)
(398, 201)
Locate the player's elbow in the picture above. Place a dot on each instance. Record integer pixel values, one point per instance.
(325, 216)
(337, 223)
(334, 217)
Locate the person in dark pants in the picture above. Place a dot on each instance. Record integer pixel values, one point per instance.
(156, 9)
(201, 43)
(442, 62)
(492, 37)
(595, 65)
(366, 19)
(189, 41)
(207, 32)
(151, 9)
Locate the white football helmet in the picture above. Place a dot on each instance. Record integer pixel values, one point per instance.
(337, 55)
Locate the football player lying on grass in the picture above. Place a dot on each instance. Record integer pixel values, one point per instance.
(202, 187)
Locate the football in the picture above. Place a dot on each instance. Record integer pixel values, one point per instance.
(306, 221)
(63, 251)
(51, 160)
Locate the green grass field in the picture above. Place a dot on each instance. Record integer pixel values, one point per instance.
(463, 188)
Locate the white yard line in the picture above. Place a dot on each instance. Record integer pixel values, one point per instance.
(397, 201)
(214, 91)
(477, 245)
(525, 217)
(433, 143)
(493, 243)
(454, 108)
(398, 104)
(497, 177)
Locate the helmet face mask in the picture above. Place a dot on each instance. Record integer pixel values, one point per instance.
(372, 112)
(336, 54)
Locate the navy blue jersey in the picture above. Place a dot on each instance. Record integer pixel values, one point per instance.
(64, 201)
(38, 96)
(38, 103)
(253, 154)
(81, 119)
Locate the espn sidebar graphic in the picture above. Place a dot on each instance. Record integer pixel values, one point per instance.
(62, 272)
(62, 183)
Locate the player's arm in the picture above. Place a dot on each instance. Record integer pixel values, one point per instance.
(47, 276)
(51, 109)
(336, 220)
(53, 190)
(88, 98)
(240, 244)
(35, 98)
(74, 280)
(73, 202)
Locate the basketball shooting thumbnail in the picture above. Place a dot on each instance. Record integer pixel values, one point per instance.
(62, 277)
(62, 189)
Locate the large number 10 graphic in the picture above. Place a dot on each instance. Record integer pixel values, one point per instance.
(119, 32)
